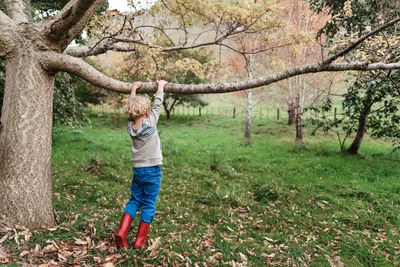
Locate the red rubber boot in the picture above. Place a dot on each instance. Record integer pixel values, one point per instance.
(142, 234)
(120, 237)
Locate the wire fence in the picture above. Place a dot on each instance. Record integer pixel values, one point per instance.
(231, 112)
(240, 112)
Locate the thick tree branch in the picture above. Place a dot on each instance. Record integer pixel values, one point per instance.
(17, 10)
(69, 23)
(61, 62)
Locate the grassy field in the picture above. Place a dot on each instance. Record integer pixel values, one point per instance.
(224, 201)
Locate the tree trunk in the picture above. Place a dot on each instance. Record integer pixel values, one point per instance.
(247, 133)
(299, 128)
(25, 143)
(355, 146)
(291, 114)
(168, 110)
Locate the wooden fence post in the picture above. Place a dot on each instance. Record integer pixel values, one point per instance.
(234, 112)
(334, 113)
(199, 111)
(277, 113)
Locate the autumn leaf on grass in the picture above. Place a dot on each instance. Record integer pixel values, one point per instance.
(153, 247)
(4, 238)
(214, 259)
(80, 241)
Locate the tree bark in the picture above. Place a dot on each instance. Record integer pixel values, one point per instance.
(291, 114)
(167, 110)
(362, 121)
(25, 143)
(299, 128)
(247, 132)
(17, 10)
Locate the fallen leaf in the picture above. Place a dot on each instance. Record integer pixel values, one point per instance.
(4, 238)
(243, 257)
(80, 242)
(49, 248)
(180, 256)
(61, 257)
(37, 248)
(23, 253)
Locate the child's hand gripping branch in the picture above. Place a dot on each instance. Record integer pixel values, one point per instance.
(135, 86)
(146, 161)
(160, 85)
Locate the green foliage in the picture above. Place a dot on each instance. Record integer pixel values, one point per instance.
(50, 7)
(2, 8)
(355, 16)
(377, 97)
(66, 108)
(86, 93)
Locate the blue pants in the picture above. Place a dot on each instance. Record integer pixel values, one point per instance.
(145, 186)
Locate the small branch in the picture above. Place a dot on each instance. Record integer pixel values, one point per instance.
(173, 103)
(122, 48)
(359, 41)
(69, 23)
(163, 31)
(163, 48)
(85, 50)
(61, 62)
(17, 10)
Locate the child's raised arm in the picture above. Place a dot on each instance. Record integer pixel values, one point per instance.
(158, 100)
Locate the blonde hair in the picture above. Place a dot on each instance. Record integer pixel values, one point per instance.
(137, 107)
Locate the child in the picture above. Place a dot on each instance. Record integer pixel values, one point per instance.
(146, 158)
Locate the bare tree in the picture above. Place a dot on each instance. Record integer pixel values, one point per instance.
(33, 53)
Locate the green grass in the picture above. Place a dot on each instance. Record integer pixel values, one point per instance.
(224, 199)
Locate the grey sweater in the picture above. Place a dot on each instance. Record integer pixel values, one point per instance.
(146, 145)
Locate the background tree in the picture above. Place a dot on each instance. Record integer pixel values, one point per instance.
(34, 51)
(372, 96)
(301, 27)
